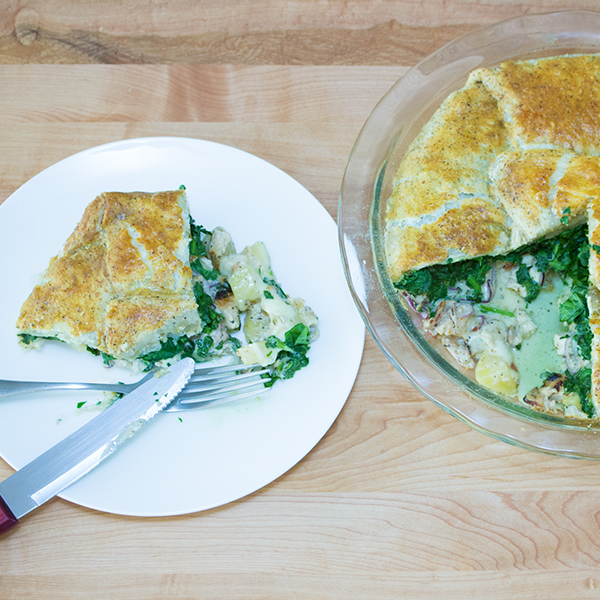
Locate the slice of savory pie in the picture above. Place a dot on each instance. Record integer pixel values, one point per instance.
(122, 282)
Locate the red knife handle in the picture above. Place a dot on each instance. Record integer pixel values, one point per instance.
(7, 519)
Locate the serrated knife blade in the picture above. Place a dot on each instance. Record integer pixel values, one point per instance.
(88, 446)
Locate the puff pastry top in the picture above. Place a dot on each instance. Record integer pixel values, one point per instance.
(499, 164)
(122, 282)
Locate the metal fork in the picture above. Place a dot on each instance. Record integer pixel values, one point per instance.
(209, 386)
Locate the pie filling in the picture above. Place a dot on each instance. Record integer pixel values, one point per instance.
(519, 322)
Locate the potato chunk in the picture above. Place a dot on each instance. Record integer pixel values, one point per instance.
(495, 374)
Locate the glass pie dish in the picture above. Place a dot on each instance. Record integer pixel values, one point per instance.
(366, 186)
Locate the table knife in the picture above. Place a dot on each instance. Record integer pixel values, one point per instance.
(88, 446)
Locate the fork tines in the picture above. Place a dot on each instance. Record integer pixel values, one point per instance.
(211, 386)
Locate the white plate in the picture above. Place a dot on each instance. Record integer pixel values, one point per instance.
(209, 457)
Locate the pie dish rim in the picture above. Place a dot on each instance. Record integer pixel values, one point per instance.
(394, 122)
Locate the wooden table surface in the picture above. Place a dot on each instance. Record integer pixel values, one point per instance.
(398, 500)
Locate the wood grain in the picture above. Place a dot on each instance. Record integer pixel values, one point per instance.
(303, 119)
(365, 533)
(192, 93)
(237, 32)
(399, 499)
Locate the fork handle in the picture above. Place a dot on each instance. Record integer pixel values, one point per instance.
(14, 388)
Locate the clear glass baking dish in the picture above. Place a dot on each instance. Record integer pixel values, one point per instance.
(367, 183)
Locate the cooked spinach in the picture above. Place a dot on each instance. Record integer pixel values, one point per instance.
(169, 348)
(197, 239)
(211, 274)
(277, 287)
(532, 287)
(436, 281)
(499, 311)
(572, 307)
(581, 384)
(209, 316)
(27, 338)
(107, 359)
(292, 353)
(203, 346)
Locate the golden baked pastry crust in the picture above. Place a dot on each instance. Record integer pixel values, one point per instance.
(552, 100)
(439, 178)
(122, 282)
(523, 137)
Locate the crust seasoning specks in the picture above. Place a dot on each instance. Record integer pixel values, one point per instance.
(122, 281)
(524, 138)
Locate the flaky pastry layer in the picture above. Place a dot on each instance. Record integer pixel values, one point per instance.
(499, 165)
(122, 282)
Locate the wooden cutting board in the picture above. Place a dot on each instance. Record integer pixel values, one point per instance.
(398, 500)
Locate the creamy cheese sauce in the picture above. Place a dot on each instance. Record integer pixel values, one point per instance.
(508, 341)
(537, 354)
